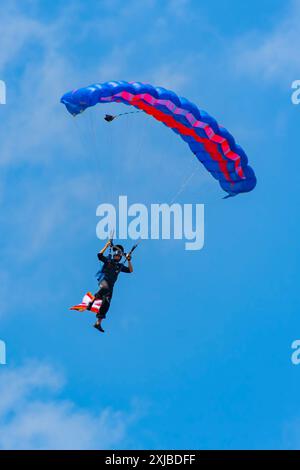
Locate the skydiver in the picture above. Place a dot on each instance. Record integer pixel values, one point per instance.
(109, 273)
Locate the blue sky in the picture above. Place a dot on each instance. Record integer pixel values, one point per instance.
(198, 344)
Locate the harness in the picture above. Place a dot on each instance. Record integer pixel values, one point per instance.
(100, 274)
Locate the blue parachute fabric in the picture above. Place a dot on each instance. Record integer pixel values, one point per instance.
(212, 144)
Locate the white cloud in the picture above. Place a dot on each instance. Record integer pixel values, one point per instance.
(180, 8)
(14, 34)
(171, 76)
(32, 120)
(32, 416)
(37, 132)
(272, 55)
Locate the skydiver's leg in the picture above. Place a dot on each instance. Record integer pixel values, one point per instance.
(105, 294)
(106, 299)
(103, 286)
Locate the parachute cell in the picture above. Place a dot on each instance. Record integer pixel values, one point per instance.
(212, 144)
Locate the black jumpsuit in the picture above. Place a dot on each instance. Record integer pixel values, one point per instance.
(109, 274)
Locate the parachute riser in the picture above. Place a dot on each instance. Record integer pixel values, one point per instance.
(111, 117)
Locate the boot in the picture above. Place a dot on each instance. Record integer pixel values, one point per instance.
(98, 326)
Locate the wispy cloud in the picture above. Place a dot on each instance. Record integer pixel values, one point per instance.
(32, 119)
(272, 55)
(33, 416)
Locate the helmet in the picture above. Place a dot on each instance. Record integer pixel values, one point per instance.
(118, 250)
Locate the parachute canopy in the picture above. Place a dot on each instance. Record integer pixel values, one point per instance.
(212, 144)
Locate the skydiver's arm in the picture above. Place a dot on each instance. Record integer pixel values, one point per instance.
(130, 267)
(100, 255)
(105, 247)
